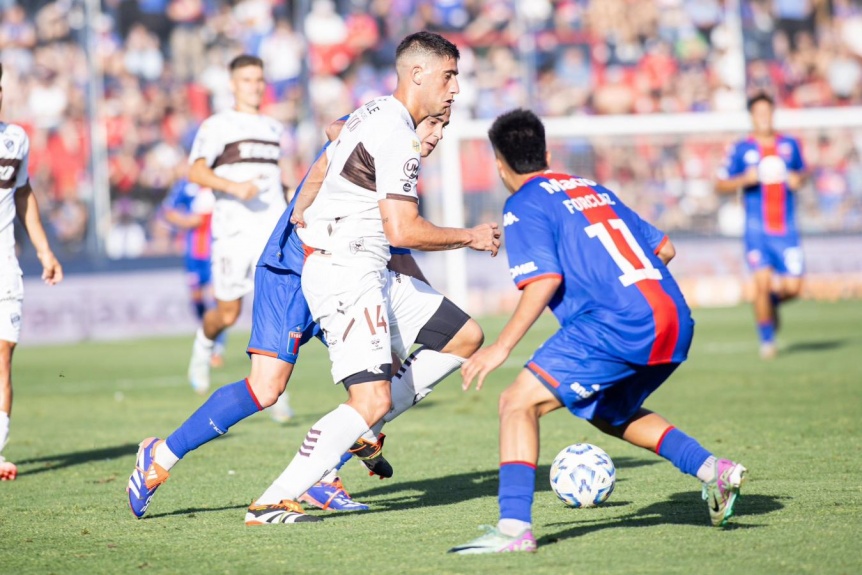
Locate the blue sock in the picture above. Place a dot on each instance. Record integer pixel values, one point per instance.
(226, 406)
(683, 451)
(517, 485)
(766, 331)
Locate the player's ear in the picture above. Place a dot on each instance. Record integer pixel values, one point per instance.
(416, 74)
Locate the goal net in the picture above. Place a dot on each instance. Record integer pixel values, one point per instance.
(664, 167)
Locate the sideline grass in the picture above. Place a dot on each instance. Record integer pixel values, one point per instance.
(795, 422)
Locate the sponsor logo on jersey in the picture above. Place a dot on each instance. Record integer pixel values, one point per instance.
(582, 391)
(552, 186)
(258, 150)
(588, 201)
(523, 269)
(509, 218)
(411, 168)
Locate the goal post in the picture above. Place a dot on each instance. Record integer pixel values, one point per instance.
(581, 144)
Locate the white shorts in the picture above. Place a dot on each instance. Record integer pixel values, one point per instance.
(234, 259)
(11, 298)
(366, 315)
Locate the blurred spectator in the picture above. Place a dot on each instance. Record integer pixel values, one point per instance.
(163, 64)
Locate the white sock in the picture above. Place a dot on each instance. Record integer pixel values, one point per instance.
(321, 450)
(202, 342)
(164, 456)
(4, 429)
(512, 527)
(421, 372)
(330, 477)
(706, 472)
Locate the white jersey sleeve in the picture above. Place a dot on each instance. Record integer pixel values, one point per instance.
(397, 166)
(209, 142)
(22, 177)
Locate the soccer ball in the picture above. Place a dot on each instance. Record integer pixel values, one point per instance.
(583, 475)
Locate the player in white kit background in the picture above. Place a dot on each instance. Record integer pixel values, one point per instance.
(237, 153)
(16, 196)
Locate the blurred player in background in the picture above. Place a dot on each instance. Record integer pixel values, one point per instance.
(769, 169)
(16, 196)
(281, 324)
(189, 208)
(575, 247)
(237, 154)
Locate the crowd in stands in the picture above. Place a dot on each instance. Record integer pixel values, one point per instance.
(163, 70)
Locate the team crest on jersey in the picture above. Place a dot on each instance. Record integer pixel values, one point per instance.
(357, 245)
(15, 319)
(785, 150)
(9, 144)
(417, 147)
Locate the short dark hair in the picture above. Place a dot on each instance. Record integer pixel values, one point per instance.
(244, 60)
(759, 97)
(428, 42)
(519, 136)
(1, 71)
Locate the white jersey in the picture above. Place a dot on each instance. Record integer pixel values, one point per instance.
(238, 146)
(14, 158)
(376, 157)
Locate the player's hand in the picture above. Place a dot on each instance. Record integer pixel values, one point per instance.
(244, 190)
(750, 177)
(481, 364)
(485, 238)
(297, 218)
(794, 180)
(52, 271)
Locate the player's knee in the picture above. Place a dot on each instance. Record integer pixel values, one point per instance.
(511, 401)
(468, 339)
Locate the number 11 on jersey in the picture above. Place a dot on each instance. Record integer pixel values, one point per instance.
(631, 273)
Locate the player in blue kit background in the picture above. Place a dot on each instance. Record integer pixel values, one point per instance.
(769, 169)
(574, 247)
(281, 324)
(189, 208)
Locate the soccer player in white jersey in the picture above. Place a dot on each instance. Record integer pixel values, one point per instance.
(367, 203)
(237, 154)
(16, 196)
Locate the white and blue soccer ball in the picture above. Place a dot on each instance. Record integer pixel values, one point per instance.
(583, 475)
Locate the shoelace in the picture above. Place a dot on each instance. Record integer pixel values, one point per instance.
(339, 488)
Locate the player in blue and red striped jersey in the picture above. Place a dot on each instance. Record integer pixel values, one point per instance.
(769, 169)
(574, 247)
(189, 207)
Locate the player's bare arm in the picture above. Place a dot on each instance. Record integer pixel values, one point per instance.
(534, 299)
(666, 251)
(183, 220)
(405, 228)
(732, 185)
(795, 180)
(28, 212)
(309, 190)
(201, 174)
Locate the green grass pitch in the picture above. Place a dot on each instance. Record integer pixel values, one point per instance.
(796, 423)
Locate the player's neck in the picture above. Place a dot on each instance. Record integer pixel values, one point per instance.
(417, 114)
(518, 180)
(764, 137)
(246, 109)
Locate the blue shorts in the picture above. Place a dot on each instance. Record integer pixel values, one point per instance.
(198, 273)
(781, 253)
(593, 386)
(281, 321)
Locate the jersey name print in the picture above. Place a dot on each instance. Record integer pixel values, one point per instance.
(616, 292)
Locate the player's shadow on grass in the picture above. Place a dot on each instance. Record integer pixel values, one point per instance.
(685, 508)
(823, 345)
(59, 461)
(452, 489)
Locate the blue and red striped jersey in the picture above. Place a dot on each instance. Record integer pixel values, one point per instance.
(189, 198)
(770, 206)
(615, 291)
